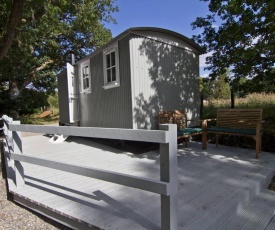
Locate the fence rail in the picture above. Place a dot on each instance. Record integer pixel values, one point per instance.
(157, 136)
(167, 186)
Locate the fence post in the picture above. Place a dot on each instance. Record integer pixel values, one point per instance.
(169, 173)
(7, 132)
(17, 148)
(4, 117)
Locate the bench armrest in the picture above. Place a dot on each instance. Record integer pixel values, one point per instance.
(204, 122)
(258, 128)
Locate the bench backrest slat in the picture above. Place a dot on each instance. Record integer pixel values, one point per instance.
(239, 118)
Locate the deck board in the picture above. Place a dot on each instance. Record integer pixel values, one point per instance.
(207, 180)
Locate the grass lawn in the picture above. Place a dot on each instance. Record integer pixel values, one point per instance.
(34, 119)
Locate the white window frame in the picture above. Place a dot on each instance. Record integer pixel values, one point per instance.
(116, 82)
(85, 66)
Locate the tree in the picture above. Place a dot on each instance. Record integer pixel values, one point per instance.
(221, 89)
(26, 103)
(206, 87)
(53, 101)
(243, 42)
(44, 34)
(217, 88)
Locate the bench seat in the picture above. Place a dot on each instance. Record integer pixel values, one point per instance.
(227, 130)
(189, 131)
(179, 117)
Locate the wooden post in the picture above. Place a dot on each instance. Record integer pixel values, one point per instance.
(204, 135)
(232, 99)
(17, 148)
(201, 107)
(169, 173)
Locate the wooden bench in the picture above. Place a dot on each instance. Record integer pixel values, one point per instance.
(179, 117)
(241, 122)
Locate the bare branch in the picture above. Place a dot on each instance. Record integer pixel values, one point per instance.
(33, 74)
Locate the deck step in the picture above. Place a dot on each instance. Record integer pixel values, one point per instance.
(219, 215)
(256, 215)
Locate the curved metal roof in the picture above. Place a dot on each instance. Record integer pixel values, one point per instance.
(135, 30)
(165, 31)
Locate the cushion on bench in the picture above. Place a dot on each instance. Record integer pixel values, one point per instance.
(232, 130)
(188, 131)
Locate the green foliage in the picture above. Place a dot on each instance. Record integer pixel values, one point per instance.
(53, 100)
(244, 41)
(217, 89)
(206, 87)
(46, 34)
(26, 103)
(247, 86)
(221, 88)
(6, 104)
(38, 121)
(27, 121)
(30, 100)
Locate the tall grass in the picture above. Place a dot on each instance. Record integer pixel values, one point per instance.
(254, 100)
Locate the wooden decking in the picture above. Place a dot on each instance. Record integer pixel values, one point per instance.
(218, 187)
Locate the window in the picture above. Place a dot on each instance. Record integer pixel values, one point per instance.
(111, 67)
(85, 77)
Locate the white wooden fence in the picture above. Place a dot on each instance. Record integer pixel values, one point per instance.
(167, 186)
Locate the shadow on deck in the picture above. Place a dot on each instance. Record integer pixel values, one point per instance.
(219, 188)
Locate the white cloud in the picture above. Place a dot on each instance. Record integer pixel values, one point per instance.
(204, 75)
(214, 26)
(203, 58)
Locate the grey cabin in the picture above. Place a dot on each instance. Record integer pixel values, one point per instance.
(125, 83)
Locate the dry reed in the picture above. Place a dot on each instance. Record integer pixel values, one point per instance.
(254, 100)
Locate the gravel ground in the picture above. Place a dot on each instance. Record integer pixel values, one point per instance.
(14, 216)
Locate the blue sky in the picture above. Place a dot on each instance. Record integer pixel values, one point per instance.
(176, 15)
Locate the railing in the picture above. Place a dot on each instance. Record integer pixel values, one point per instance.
(167, 186)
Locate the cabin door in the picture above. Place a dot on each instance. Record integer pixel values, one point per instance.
(72, 98)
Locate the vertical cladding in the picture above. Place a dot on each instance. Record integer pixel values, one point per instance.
(108, 107)
(63, 98)
(164, 77)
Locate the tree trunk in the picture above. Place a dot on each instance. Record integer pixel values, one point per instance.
(14, 19)
(14, 93)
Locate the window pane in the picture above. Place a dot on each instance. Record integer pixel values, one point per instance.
(109, 79)
(85, 77)
(108, 60)
(114, 74)
(85, 71)
(84, 84)
(113, 58)
(87, 82)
